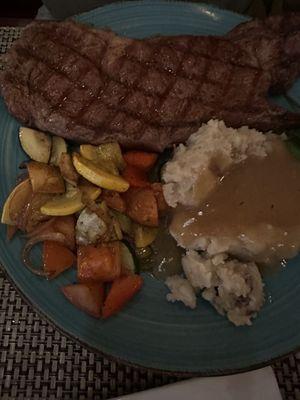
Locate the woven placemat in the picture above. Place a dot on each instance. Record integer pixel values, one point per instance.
(38, 362)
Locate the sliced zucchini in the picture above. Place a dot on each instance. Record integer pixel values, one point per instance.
(91, 153)
(124, 221)
(144, 235)
(127, 259)
(112, 152)
(117, 229)
(37, 145)
(103, 206)
(59, 146)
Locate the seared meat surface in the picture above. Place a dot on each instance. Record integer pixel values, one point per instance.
(275, 43)
(93, 86)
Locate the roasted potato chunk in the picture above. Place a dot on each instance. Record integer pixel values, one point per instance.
(45, 178)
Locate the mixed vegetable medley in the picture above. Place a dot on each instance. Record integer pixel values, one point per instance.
(92, 207)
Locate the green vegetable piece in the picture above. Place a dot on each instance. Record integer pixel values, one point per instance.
(127, 258)
(144, 235)
(124, 221)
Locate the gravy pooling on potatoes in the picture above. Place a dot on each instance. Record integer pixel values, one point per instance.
(258, 198)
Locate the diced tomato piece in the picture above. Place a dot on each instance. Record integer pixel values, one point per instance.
(141, 206)
(140, 159)
(114, 200)
(99, 264)
(88, 297)
(135, 176)
(121, 291)
(56, 258)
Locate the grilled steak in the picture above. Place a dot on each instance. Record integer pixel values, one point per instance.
(93, 86)
(275, 43)
(272, 44)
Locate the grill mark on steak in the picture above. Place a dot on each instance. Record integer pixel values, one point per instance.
(153, 102)
(57, 70)
(64, 95)
(57, 105)
(187, 49)
(275, 43)
(203, 76)
(94, 98)
(54, 105)
(172, 83)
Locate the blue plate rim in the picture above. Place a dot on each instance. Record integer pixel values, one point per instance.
(36, 307)
(120, 3)
(183, 374)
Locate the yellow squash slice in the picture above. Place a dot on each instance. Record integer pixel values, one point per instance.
(70, 202)
(144, 235)
(92, 153)
(15, 201)
(98, 176)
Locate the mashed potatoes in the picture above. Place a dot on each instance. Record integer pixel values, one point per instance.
(208, 153)
(232, 286)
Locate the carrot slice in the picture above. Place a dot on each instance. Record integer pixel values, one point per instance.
(141, 206)
(56, 258)
(135, 176)
(114, 200)
(122, 290)
(87, 297)
(140, 159)
(99, 264)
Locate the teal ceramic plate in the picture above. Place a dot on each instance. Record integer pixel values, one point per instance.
(151, 332)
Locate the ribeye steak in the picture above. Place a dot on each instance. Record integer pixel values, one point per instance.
(90, 85)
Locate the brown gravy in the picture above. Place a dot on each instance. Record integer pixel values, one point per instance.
(259, 198)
